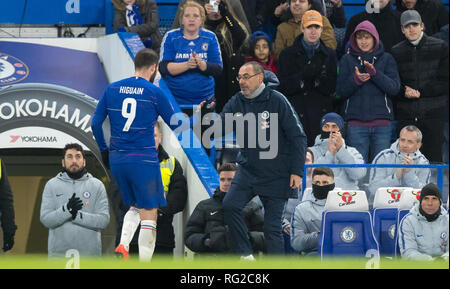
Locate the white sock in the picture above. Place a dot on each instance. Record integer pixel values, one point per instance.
(130, 224)
(147, 240)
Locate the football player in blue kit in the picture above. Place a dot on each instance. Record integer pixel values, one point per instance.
(133, 106)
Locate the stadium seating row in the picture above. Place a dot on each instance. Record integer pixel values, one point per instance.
(349, 228)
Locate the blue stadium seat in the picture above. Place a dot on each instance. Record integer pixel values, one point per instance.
(346, 225)
(384, 217)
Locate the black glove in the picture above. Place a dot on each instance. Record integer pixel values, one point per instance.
(73, 205)
(8, 240)
(223, 8)
(105, 158)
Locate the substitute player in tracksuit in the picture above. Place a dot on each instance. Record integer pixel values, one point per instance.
(133, 106)
(269, 171)
(423, 233)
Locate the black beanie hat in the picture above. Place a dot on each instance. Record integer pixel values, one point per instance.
(430, 189)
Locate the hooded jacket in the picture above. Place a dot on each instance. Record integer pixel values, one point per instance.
(372, 99)
(207, 222)
(387, 23)
(346, 178)
(433, 14)
(423, 240)
(386, 177)
(84, 232)
(306, 224)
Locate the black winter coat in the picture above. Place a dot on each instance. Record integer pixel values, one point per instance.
(6, 204)
(425, 68)
(207, 222)
(308, 84)
(433, 14)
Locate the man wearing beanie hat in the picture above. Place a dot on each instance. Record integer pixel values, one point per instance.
(423, 233)
(330, 148)
(307, 71)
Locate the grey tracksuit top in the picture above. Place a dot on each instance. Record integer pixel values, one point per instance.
(82, 233)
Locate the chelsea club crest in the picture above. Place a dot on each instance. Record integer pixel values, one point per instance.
(12, 70)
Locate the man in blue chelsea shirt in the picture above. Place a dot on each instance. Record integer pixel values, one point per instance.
(133, 106)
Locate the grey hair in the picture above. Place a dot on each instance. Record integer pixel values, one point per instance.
(257, 68)
(414, 128)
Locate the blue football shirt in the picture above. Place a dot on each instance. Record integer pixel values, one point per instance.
(190, 87)
(133, 106)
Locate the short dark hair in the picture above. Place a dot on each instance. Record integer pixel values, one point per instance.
(227, 167)
(145, 58)
(74, 146)
(320, 171)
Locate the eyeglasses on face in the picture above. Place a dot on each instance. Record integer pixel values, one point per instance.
(245, 76)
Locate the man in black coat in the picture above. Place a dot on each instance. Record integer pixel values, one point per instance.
(6, 209)
(206, 231)
(433, 13)
(423, 68)
(386, 21)
(307, 73)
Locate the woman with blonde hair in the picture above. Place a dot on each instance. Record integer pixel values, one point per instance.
(190, 58)
(141, 17)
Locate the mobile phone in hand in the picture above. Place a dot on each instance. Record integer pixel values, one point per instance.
(214, 4)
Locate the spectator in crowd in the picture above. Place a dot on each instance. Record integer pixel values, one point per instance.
(443, 34)
(386, 21)
(330, 148)
(74, 207)
(273, 12)
(367, 79)
(423, 233)
(6, 209)
(190, 55)
(293, 202)
(307, 72)
(423, 67)
(334, 11)
(254, 11)
(175, 192)
(235, 5)
(141, 17)
(232, 35)
(261, 51)
(433, 13)
(292, 27)
(272, 173)
(404, 151)
(307, 217)
(206, 231)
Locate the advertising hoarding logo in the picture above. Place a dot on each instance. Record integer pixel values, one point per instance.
(12, 69)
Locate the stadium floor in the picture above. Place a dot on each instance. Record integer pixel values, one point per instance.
(226, 262)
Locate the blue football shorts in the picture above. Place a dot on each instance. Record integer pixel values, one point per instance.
(140, 184)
